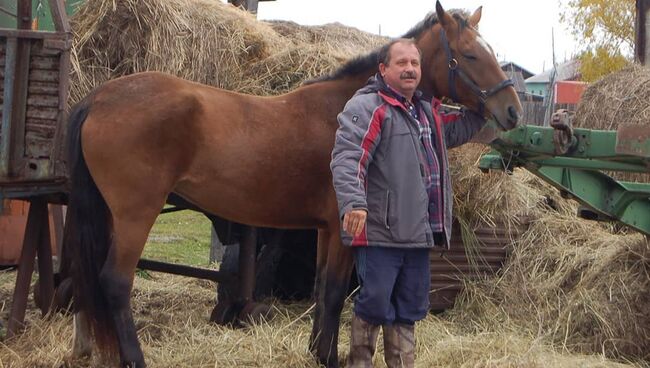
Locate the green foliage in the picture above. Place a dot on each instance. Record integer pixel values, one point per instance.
(605, 29)
(601, 23)
(595, 64)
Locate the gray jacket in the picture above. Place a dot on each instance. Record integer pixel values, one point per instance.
(375, 166)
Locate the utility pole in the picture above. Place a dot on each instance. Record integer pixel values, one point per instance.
(249, 5)
(641, 26)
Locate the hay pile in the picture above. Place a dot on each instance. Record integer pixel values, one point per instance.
(204, 41)
(573, 284)
(200, 40)
(622, 97)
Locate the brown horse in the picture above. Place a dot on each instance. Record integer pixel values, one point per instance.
(262, 161)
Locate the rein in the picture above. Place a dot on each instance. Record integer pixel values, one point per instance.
(455, 69)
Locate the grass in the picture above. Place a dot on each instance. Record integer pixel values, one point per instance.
(180, 237)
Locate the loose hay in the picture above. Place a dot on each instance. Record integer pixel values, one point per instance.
(171, 314)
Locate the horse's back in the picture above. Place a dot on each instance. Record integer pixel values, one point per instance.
(252, 159)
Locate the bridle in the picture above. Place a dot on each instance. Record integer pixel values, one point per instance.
(454, 69)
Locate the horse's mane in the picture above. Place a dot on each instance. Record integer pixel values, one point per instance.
(362, 63)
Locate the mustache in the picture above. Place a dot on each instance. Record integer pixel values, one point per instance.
(408, 75)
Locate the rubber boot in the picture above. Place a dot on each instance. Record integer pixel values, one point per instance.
(399, 345)
(363, 340)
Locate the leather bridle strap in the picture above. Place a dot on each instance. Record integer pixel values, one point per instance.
(454, 69)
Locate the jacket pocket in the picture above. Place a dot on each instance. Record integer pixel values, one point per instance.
(387, 208)
(408, 215)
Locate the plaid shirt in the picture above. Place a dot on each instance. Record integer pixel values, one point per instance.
(429, 163)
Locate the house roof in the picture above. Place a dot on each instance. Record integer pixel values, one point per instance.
(569, 70)
(510, 66)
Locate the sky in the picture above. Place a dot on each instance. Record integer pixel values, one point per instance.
(518, 30)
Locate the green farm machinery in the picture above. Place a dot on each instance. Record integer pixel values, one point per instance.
(573, 161)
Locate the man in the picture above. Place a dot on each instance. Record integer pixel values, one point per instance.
(390, 172)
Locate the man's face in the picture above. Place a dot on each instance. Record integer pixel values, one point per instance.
(403, 70)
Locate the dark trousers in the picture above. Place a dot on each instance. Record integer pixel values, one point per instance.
(394, 282)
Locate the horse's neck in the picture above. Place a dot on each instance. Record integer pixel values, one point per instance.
(330, 95)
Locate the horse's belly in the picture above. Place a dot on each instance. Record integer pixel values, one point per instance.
(257, 204)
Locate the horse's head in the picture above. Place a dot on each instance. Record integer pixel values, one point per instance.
(458, 63)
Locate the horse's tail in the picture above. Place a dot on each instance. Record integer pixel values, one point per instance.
(87, 236)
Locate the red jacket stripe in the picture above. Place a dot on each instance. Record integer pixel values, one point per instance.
(374, 130)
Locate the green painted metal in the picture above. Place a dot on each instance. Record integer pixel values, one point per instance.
(577, 174)
(40, 11)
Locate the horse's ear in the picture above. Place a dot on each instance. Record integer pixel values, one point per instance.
(476, 17)
(443, 17)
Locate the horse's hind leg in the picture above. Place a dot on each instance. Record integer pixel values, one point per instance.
(81, 336)
(337, 279)
(319, 286)
(117, 274)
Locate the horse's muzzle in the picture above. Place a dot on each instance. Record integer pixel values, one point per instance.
(513, 116)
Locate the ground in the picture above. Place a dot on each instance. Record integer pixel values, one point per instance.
(171, 314)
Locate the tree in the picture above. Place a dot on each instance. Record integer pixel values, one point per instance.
(594, 64)
(606, 30)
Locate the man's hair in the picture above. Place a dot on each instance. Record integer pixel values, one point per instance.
(383, 57)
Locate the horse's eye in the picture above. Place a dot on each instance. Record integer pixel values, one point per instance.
(469, 57)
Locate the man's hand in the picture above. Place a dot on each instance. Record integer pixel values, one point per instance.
(354, 221)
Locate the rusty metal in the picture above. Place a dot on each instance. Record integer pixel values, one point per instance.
(562, 131)
(633, 139)
(449, 269)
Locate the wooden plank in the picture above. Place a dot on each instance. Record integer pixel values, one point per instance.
(44, 122)
(47, 62)
(24, 33)
(46, 113)
(19, 100)
(37, 75)
(42, 101)
(35, 222)
(59, 16)
(41, 130)
(42, 62)
(43, 88)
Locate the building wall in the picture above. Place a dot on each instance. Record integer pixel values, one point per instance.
(537, 88)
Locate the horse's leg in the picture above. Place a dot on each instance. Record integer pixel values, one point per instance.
(117, 274)
(319, 285)
(81, 337)
(337, 279)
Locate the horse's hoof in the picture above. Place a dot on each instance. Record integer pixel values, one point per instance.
(225, 313)
(63, 296)
(255, 313)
